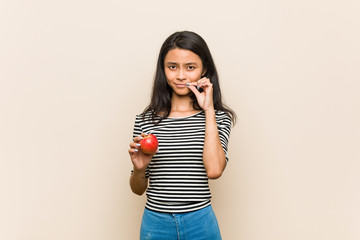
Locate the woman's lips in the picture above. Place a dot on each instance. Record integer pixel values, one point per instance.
(180, 85)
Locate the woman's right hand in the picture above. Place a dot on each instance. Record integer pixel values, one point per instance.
(139, 159)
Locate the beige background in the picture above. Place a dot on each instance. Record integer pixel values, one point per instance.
(74, 73)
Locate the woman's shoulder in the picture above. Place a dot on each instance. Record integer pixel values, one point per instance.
(223, 117)
(143, 115)
(221, 114)
(147, 117)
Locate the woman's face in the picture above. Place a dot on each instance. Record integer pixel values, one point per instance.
(181, 67)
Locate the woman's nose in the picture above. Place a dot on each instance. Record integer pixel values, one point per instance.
(181, 75)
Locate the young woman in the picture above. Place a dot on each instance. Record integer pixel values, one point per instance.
(192, 125)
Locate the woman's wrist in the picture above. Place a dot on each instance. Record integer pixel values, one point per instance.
(209, 111)
(138, 172)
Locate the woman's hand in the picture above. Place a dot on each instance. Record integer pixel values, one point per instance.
(139, 159)
(205, 98)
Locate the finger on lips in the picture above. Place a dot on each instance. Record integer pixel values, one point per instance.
(200, 83)
(191, 84)
(194, 84)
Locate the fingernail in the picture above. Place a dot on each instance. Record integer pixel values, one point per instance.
(138, 144)
(140, 137)
(135, 150)
(188, 84)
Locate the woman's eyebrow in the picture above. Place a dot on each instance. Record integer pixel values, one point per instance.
(191, 63)
(176, 63)
(171, 63)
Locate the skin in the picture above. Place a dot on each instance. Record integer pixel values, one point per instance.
(183, 71)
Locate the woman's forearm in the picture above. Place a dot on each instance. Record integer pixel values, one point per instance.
(213, 154)
(138, 182)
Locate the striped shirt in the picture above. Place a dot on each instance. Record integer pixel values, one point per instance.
(177, 178)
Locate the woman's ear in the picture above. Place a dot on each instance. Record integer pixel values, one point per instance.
(203, 73)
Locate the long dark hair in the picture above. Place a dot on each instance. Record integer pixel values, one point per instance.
(161, 91)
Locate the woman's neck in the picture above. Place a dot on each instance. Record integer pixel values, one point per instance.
(181, 104)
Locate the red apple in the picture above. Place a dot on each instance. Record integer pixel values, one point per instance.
(149, 144)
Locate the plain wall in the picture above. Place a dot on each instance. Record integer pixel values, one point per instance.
(73, 75)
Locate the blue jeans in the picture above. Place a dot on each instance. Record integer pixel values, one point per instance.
(196, 225)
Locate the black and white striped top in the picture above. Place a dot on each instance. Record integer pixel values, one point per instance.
(177, 177)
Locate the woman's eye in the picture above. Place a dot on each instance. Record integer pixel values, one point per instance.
(191, 67)
(172, 67)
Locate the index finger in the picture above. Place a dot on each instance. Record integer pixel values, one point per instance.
(138, 138)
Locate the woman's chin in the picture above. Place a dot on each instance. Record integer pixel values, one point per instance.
(182, 91)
